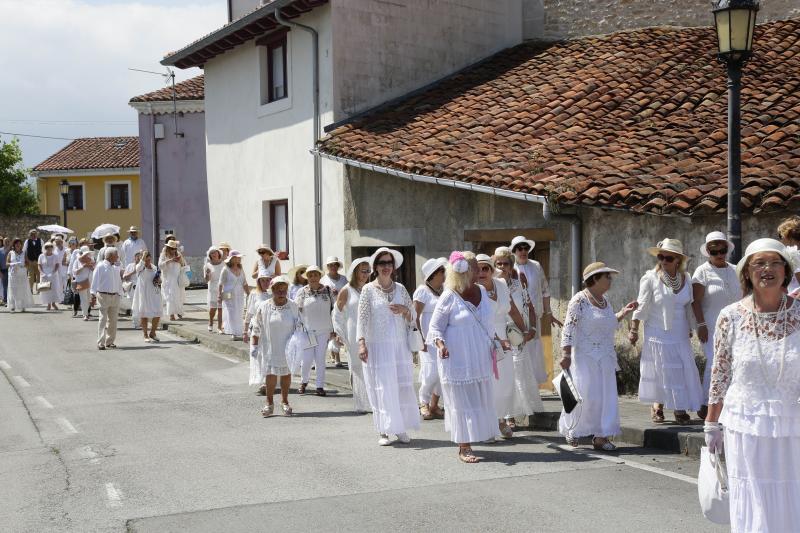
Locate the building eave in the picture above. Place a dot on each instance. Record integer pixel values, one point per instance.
(78, 172)
(166, 107)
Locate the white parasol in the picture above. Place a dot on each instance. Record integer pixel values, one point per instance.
(54, 228)
(104, 229)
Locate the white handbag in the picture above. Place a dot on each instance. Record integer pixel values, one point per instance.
(415, 341)
(712, 488)
(514, 335)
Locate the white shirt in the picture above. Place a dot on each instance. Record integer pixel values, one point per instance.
(129, 249)
(106, 278)
(537, 283)
(721, 289)
(335, 285)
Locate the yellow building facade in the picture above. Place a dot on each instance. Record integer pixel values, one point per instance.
(102, 174)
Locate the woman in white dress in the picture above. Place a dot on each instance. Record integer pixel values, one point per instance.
(425, 298)
(129, 282)
(527, 358)
(147, 296)
(669, 376)
(257, 296)
(212, 270)
(755, 386)
(714, 287)
(504, 307)
(50, 271)
(384, 312)
(171, 265)
(587, 342)
(345, 320)
(267, 265)
(315, 302)
(19, 295)
(233, 288)
(462, 329)
(273, 325)
(82, 279)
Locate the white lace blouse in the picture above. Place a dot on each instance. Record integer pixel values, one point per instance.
(376, 322)
(757, 370)
(588, 329)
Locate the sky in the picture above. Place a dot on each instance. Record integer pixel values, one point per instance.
(64, 66)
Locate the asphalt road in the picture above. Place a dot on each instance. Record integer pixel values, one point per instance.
(169, 437)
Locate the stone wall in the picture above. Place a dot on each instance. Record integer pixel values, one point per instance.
(559, 19)
(19, 226)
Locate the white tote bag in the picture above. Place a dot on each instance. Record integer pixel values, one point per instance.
(712, 488)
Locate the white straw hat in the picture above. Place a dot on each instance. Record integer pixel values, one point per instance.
(279, 279)
(673, 246)
(597, 268)
(213, 249)
(312, 268)
(333, 259)
(519, 239)
(766, 245)
(715, 236)
(355, 264)
(397, 256)
(432, 265)
(483, 258)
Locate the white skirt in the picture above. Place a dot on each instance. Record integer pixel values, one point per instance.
(356, 367)
(389, 376)
(504, 387)
(669, 375)
(708, 350)
(428, 375)
(598, 414)
(19, 295)
(212, 295)
(536, 351)
(764, 481)
(527, 399)
(470, 415)
(56, 293)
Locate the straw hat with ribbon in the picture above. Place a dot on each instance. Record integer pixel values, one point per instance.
(597, 267)
(673, 246)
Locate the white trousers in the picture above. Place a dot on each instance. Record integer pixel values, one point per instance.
(316, 357)
(429, 383)
(86, 301)
(109, 311)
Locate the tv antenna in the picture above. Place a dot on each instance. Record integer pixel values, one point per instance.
(169, 77)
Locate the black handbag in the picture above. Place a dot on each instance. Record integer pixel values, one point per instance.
(69, 297)
(565, 387)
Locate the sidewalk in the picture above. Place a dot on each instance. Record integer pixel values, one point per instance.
(635, 421)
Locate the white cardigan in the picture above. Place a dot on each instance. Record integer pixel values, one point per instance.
(656, 301)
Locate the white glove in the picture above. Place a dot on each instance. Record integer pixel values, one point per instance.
(254, 350)
(713, 434)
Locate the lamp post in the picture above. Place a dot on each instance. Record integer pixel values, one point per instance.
(735, 21)
(63, 188)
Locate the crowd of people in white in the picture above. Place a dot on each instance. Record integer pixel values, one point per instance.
(475, 324)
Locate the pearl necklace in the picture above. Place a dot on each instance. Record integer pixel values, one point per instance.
(389, 293)
(673, 283)
(756, 324)
(600, 305)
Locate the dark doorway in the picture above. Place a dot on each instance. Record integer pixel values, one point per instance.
(406, 274)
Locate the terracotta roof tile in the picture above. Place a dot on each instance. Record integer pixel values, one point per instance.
(634, 120)
(191, 89)
(94, 153)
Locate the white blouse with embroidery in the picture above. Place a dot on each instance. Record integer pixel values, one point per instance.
(588, 329)
(756, 370)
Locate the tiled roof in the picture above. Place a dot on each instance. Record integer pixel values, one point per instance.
(191, 89)
(94, 153)
(634, 120)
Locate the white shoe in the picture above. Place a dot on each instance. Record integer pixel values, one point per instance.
(384, 441)
(403, 438)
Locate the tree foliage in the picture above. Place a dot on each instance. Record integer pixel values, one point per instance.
(16, 195)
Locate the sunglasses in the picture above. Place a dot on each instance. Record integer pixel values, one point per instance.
(721, 251)
(486, 269)
(500, 264)
(666, 258)
(384, 263)
(522, 248)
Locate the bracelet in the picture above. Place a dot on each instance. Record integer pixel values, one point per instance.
(702, 325)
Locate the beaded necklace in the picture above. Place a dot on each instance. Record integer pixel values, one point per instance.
(756, 325)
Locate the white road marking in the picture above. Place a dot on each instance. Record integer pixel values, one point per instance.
(4, 365)
(66, 425)
(616, 460)
(114, 496)
(21, 381)
(43, 402)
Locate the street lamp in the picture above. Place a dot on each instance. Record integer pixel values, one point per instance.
(735, 21)
(63, 188)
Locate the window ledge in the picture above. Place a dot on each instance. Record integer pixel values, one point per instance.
(278, 106)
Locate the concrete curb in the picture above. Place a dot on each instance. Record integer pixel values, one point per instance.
(686, 440)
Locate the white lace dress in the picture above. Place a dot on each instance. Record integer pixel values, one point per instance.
(389, 370)
(589, 330)
(146, 296)
(274, 325)
(234, 307)
(428, 369)
(528, 361)
(538, 290)
(467, 377)
(722, 288)
(756, 375)
(668, 373)
(19, 295)
(254, 300)
(214, 272)
(345, 323)
(504, 385)
(171, 290)
(51, 271)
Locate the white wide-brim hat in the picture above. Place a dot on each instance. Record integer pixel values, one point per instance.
(225, 245)
(84, 253)
(397, 256)
(519, 239)
(766, 245)
(232, 254)
(279, 279)
(312, 268)
(333, 259)
(673, 246)
(715, 236)
(483, 258)
(354, 266)
(265, 248)
(174, 243)
(597, 268)
(432, 265)
(133, 228)
(213, 249)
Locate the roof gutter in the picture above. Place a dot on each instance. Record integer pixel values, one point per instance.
(576, 229)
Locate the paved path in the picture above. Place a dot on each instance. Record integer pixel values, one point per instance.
(168, 438)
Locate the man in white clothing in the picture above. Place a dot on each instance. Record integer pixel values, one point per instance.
(538, 288)
(106, 288)
(132, 245)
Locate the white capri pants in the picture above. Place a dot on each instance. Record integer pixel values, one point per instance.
(315, 357)
(429, 383)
